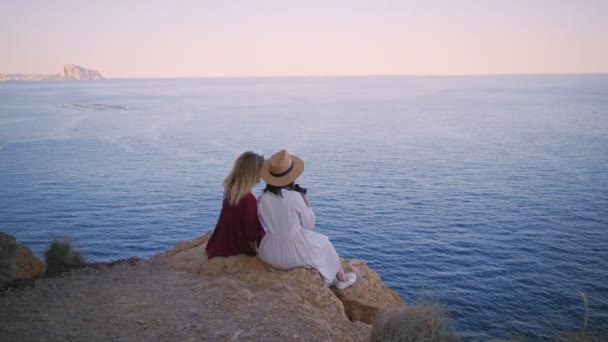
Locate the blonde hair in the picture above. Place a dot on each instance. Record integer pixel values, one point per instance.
(244, 175)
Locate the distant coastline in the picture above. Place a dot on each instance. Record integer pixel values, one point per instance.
(60, 77)
(69, 72)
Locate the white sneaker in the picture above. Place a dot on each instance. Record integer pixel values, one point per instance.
(351, 278)
(330, 283)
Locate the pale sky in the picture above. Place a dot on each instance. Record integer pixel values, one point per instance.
(125, 38)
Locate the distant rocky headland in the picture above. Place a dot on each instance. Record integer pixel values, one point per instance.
(69, 72)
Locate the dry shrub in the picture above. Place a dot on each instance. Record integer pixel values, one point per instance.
(60, 256)
(412, 323)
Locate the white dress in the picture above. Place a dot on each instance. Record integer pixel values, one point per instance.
(290, 241)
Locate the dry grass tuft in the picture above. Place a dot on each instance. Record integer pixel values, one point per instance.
(581, 335)
(60, 256)
(412, 323)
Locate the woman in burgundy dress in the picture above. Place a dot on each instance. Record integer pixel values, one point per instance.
(238, 229)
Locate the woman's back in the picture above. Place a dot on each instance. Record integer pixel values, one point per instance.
(236, 227)
(284, 214)
(290, 240)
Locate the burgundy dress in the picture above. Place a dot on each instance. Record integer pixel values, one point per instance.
(236, 226)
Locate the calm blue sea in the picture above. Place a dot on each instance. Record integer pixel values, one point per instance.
(488, 194)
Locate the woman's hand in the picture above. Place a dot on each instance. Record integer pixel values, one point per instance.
(254, 246)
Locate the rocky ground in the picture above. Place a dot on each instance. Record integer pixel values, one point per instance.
(180, 296)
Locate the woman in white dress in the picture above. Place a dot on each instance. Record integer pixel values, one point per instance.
(285, 214)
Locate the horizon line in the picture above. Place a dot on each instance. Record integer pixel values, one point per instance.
(372, 75)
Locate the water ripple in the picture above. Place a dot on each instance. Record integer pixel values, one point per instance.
(490, 197)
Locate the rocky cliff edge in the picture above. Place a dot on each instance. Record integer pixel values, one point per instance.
(301, 287)
(179, 295)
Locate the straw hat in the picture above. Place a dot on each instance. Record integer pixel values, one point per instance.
(282, 168)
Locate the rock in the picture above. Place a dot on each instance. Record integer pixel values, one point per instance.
(8, 247)
(68, 72)
(25, 265)
(246, 278)
(235, 337)
(16, 261)
(363, 300)
(75, 72)
(246, 294)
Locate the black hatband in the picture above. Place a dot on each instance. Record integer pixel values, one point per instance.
(282, 173)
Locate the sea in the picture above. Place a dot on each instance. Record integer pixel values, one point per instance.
(485, 194)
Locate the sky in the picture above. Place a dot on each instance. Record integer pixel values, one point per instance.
(129, 38)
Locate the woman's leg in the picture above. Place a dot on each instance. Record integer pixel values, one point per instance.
(340, 275)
